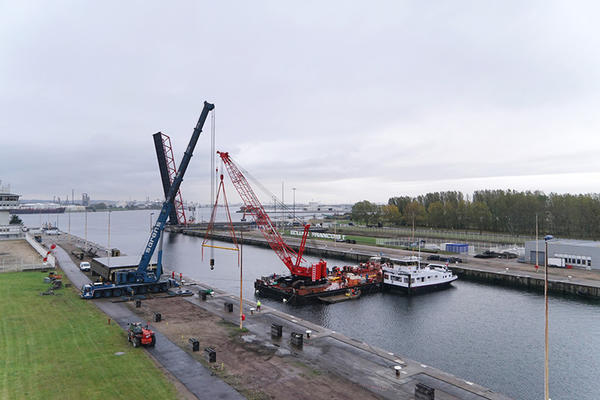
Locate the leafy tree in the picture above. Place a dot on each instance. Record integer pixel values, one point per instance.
(15, 220)
(391, 214)
(414, 213)
(479, 215)
(364, 211)
(435, 214)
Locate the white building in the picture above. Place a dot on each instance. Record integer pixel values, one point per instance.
(7, 202)
(565, 253)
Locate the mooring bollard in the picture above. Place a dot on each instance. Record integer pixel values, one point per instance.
(203, 295)
(308, 332)
(195, 344)
(397, 368)
(251, 310)
(138, 303)
(157, 317)
(296, 339)
(211, 354)
(229, 307)
(276, 330)
(424, 392)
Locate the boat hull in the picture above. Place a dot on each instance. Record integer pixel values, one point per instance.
(291, 297)
(59, 210)
(417, 289)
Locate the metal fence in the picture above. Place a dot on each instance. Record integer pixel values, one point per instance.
(443, 234)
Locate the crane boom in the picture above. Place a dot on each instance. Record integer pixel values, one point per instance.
(159, 226)
(269, 231)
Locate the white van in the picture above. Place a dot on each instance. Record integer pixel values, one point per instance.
(84, 266)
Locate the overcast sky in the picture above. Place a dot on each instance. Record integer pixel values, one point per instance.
(344, 100)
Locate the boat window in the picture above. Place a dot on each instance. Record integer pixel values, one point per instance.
(412, 280)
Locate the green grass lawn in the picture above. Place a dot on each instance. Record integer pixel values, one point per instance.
(61, 347)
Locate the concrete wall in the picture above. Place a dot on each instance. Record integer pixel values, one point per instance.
(41, 250)
(464, 271)
(528, 282)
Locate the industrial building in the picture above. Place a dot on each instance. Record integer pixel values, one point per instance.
(567, 253)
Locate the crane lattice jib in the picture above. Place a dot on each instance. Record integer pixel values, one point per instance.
(264, 223)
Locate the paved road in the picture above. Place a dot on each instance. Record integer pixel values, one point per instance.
(194, 376)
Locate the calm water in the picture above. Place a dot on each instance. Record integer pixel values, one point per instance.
(481, 333)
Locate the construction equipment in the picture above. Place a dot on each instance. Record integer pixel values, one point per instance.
(168, 171)
(143, 280)
(292, 260)
(139, 335)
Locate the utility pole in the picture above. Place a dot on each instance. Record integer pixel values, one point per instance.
(546, 388)
(294, 213)
(86, 229)
(108, 249)
(241, 263)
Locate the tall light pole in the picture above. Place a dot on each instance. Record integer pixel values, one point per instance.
(108, 249)
(151, 214)
(294, 213)
(86, 228)
(547, 238)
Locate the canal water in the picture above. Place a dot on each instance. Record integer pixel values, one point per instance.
(490, 335)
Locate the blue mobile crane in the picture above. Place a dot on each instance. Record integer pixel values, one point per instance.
(142, 280)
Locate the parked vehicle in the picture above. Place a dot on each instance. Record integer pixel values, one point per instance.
(448, 259)
(139, 335)
(84, 266)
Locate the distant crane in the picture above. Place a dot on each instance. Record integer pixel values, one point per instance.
(292, 260)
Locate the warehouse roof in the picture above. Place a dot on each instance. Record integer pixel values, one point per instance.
(569, 242)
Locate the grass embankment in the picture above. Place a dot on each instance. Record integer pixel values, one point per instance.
(61, 347)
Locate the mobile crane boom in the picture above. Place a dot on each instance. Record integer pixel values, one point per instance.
(140, 280)
(270, 233)
(159, 226)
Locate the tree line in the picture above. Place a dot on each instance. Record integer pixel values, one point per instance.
(505, 211)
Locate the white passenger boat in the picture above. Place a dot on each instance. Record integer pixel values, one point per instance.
(409, 275)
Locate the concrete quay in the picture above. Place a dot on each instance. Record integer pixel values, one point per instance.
(576, 282)
(384, 374)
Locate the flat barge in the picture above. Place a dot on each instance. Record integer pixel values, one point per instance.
(307, 294)
(365, 277)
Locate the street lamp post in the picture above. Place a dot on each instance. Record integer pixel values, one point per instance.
(86, 228)
(294, 207)
(108, 249)
(151, 214)
(547, 238)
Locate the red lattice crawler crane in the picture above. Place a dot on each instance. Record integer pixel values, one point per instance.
(298, 267)
(168, 170)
